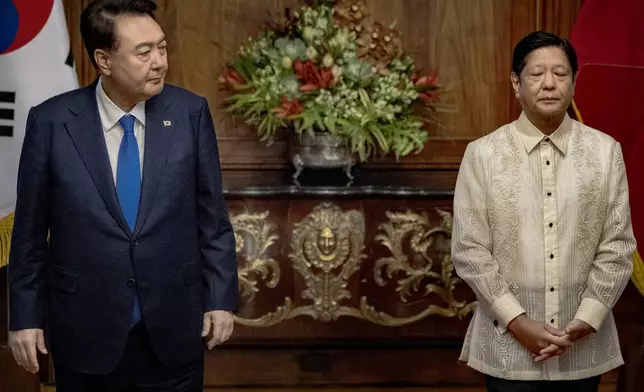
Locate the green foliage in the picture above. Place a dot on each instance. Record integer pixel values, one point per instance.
(313, 80)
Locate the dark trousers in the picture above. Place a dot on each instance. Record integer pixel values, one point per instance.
(138, 370)
(500, 385)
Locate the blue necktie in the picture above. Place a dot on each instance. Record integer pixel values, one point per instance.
(128, 186)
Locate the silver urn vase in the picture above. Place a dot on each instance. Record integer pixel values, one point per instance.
(320, 150)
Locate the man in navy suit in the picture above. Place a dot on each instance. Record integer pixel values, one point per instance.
(122, 252)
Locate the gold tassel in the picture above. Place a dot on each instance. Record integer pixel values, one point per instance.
(6, 226)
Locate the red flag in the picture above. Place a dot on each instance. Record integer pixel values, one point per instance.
(610, 32)
(609, 40)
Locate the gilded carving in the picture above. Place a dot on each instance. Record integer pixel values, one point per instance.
(254, 234)
(410, 230)
(327, 250)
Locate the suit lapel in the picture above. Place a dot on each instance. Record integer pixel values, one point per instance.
(158, 135)
(86, 132)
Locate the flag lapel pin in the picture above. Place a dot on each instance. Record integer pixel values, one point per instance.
(167, 123)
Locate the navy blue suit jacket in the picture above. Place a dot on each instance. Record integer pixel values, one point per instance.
(79, 283)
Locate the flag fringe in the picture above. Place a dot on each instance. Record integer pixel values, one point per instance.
(6, 226)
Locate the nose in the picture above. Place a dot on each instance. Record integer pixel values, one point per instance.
(158, 59)
(549, 81)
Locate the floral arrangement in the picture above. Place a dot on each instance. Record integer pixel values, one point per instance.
(324, 68)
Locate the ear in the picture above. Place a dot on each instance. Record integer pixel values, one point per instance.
(103, 61)
(574, 84)
(516, 83)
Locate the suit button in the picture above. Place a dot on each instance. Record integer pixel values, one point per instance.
(496, 323)
(131, 282)
(135, 243)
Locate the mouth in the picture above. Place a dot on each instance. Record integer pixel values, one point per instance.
(549, 99)
(156, 80)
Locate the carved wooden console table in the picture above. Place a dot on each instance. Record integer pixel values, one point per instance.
(344, 286)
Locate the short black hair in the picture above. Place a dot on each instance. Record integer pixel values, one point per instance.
(97, 22)
(542, 39)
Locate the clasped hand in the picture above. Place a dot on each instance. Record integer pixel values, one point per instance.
(544, 341)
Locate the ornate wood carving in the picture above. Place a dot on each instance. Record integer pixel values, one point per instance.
(327, 249)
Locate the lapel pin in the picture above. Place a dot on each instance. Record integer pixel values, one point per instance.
(167, 123)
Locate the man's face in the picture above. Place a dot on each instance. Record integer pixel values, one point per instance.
(139, 63)
(546, 85)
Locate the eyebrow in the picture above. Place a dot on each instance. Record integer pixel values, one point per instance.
(143, 44)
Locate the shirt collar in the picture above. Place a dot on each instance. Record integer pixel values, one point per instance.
(110, 113)
(531, 135)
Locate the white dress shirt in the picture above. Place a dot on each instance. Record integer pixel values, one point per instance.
(542, 226)
(110, 115)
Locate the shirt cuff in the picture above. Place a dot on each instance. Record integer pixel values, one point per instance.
(592, 312)
(505, 309)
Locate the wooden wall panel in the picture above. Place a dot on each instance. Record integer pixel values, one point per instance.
(469, 42)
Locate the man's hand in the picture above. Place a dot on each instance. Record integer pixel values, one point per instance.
(24, 344)
(537, 337)
(219, 325)
(575, 330)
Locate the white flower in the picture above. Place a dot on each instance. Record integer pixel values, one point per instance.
(341, 38)
(287, 62)
(327, 61)
(311, 53)
(308, 33)
(323, 23)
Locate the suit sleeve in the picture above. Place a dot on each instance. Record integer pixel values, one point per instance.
(29, 249)
(216, 237)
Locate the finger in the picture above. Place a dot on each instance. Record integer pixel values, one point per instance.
(24, 357)
(219, 332)
(560, 341)
(542, 358)
(32, 356)
(229, 331)
(551, 349)
(206, 325)
(554, 331)
(216, 336)
(40, 342)
(17, 355)
(572, 327)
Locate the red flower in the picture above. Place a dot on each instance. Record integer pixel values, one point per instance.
(312, 78)
(426, 87)
(231, 79)
(290, 107)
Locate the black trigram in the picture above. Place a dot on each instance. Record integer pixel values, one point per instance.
(7, 114)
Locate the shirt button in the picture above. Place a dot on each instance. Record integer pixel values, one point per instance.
(550, 224)
(549, 193)
(552, 321)
(552, 289)
(552, 256)
(547, 139)
(496, 323)
(131, 282)
(547, 162)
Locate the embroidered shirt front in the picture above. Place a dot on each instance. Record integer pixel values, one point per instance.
(542, 227)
